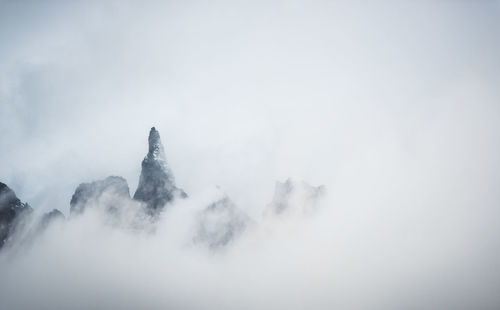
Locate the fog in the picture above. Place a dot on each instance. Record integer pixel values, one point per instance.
(393, 106)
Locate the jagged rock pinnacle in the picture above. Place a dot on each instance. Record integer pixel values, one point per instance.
(156, 183)
(155, 147)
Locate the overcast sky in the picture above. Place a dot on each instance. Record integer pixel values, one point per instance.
(242, 93)
(393, 105)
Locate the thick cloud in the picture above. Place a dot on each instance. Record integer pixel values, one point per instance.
(394, 107)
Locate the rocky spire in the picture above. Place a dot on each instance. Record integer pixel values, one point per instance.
(156, 183)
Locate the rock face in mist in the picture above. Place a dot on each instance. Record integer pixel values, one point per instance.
(216, 225)
(50, 217)
(220, 223)
(109, 193)
(12, 211)
(156, 184)
(294, 196)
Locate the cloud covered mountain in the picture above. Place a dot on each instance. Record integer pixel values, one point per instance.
(215, 225)
(109, 193)
(393, 105)
(12, 211)
(295, 196)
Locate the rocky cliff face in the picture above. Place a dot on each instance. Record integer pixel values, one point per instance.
(109, 193)
(156, 184)
(51, 217)
(12, 211)
(220, 223)
(216, 225)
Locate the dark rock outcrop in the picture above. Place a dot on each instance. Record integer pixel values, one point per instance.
(12, 212)
(220, 223)
(295, 196)
(109, 194)
(156, 184)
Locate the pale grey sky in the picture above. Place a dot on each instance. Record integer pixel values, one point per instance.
(242, 93)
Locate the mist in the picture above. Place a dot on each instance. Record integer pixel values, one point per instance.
(393, 106)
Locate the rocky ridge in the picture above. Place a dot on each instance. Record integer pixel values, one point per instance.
(216, 225)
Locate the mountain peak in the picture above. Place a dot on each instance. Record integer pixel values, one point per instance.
(155, 147)
(156, 183)
(295, 196)
(110, 193)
